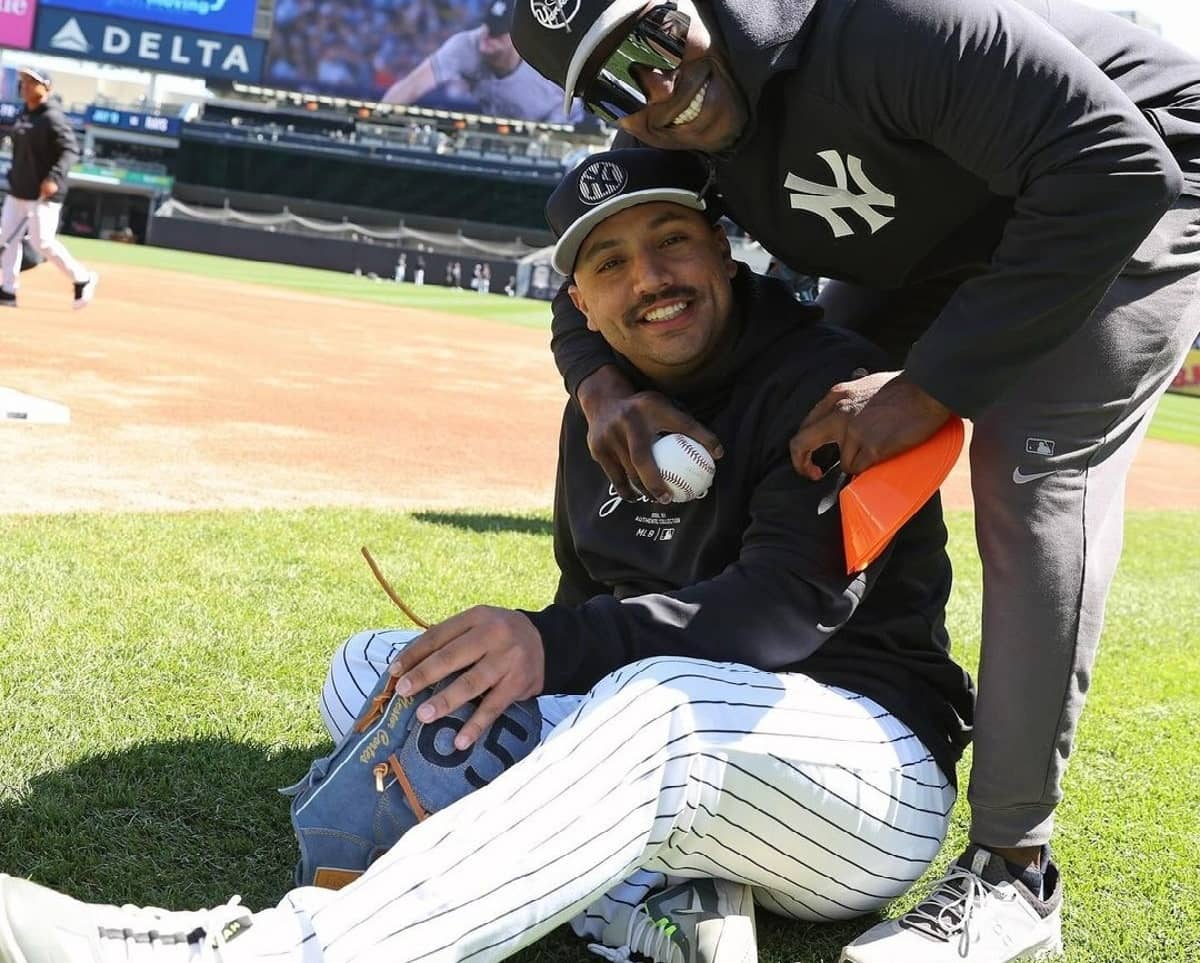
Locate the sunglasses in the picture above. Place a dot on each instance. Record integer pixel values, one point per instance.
(656, 41)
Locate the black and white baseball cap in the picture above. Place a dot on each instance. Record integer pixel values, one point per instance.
(35, 73)
(608, 183)
(556, 37)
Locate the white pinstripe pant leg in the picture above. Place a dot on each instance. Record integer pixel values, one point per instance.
(817, 797)
(357, 665)
(354, 669)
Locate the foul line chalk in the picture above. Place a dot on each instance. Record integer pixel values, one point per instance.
(29, 409)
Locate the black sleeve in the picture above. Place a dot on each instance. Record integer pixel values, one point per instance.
(64, 149)
(577, 351)
(783, 597)
(1011, 100)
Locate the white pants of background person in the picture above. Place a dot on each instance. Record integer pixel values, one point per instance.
(670, 768)
(42, 218)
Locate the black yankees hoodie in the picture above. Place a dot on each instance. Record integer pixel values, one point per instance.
(754, 572)
(1012, 155)
(43, 145)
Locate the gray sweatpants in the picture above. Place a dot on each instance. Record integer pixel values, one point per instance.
(1048, 466)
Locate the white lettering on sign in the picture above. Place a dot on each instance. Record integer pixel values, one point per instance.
(116, 40)
(149, 46)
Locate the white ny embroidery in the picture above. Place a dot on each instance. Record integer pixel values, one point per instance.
(825, 199)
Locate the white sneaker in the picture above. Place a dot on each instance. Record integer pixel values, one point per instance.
(977, 913)
(38, 925)
(700, 921)
(85, 291)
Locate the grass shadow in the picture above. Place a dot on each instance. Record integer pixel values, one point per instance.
(181, 824)
(186, 824)
(488, 524)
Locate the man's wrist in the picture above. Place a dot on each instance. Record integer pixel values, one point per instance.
(602, 384)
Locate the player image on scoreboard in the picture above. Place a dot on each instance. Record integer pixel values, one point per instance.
(452, 55)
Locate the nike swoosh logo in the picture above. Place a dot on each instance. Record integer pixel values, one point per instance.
(1022, 479)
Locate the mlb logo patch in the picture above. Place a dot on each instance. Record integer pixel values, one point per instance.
(1039, 446)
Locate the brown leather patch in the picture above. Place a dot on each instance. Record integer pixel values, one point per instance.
(334, 878)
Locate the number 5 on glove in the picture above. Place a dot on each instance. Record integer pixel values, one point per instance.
(391, 772)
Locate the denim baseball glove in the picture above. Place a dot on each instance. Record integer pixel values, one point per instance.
(390, 772)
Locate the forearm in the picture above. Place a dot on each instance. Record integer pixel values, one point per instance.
(1051, 270)
(769, 620)
(1087, 175)
(410, 89)
(600, 386)
(578, 352)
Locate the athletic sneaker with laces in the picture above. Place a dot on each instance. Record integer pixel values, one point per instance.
(38, 925)
(699, 921)
(85, 291)
(978, 913)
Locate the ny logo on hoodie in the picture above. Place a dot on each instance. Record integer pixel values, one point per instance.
(826, 199)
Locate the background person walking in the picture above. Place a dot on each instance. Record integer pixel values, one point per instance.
(43, 150)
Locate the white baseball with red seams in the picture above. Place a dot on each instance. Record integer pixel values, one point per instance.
(685, 465)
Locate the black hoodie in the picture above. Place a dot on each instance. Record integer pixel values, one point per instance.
(754, 572)
(1012, 155)
(43, 146)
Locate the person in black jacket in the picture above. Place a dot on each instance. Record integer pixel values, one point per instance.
(755, 718)
(43, 150)
(1006, 194)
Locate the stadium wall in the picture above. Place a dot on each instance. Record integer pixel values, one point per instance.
(258, 203)
(331, 254)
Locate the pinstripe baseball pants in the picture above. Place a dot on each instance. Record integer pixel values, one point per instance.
(669, 768)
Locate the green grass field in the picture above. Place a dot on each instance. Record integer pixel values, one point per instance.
(158, 677)
(1177, 419)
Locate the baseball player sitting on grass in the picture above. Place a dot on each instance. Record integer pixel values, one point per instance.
(728, 717)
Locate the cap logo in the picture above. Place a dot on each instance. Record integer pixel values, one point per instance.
(601, 180)
(554, 14)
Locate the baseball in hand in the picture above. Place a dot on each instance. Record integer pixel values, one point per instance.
(685, 465)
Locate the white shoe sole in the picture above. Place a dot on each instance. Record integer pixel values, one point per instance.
(1049, 948)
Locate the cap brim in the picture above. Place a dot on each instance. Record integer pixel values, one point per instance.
(613, 16)
(567, 248)
(37, 75)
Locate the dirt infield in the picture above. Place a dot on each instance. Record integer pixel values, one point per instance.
(185, 393)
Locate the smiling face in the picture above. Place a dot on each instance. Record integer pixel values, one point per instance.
(698, 106)
(654, 280)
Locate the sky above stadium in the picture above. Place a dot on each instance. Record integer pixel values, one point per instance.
(1180, 19)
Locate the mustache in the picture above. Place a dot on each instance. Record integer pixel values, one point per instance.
(634, 314)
